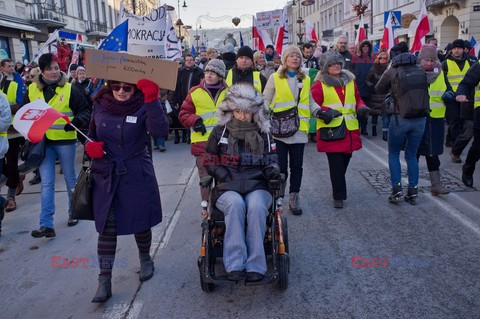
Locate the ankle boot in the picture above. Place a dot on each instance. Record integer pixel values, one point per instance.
(104, 291)
(385, 136)
(294, 204)
(412, 196)
(437, 188)
(374, 131)
(146, 267)
(396, 196)
(176, 140)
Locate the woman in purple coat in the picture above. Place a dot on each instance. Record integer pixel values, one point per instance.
(126, 199)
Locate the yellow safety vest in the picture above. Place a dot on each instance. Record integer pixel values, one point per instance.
(257, 84)
(12, 92)
(476, 102)
(60, 102)
(455, 75)
(207, 110)
(284, 100)
(348, 109)
(436, 90)
(4, 134)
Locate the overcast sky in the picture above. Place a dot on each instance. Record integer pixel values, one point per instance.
(218, 8)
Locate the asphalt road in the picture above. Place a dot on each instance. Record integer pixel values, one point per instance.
(371, 259)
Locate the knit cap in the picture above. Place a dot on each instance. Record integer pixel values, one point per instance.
(216, 66)
(245, 51)
(428, 51)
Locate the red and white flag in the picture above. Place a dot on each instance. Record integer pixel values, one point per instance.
(281, 41)
(260, 37)
(387, 39)
(423, 28)
(361, 34)
(35, 118)
(310, 31)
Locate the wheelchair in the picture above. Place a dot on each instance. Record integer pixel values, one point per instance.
(275, 243)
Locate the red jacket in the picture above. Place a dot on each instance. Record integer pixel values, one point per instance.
(352, 141)
(63, 57)
(188, 117)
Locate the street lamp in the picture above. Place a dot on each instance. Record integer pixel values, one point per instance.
(300, 34)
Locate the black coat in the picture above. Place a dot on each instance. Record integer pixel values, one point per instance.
(240, 173)
(187, 79)
(377, 101)
(246, 76)
(229, 59)
(467, 87)
(433, 137)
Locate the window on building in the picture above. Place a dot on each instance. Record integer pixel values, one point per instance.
(80, 9)
(110, 16)
(89, 11)
(104, 14)
(340, 14)
(63, 6)
(97, 15)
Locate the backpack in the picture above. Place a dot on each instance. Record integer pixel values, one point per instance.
(412, 98)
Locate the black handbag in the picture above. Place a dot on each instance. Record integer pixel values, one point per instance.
(285, 123)
(330, 134)
(82, 200)
(33, 153)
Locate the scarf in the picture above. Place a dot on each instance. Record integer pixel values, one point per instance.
(114, 107)
(247, 132)
(217, 86)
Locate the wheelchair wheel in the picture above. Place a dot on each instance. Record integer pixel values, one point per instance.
(285, 232)
(283, 266)
(203, 268)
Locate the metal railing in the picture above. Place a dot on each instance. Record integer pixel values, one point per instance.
(97, 26)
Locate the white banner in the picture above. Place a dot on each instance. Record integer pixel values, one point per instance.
(146, 35)
(269, 19)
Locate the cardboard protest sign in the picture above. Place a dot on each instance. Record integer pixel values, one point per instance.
(129, 68)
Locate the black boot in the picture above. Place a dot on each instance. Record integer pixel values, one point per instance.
(44, 232)
(184, 137)
(412, 196)
(36, 179)
(146, 267)
(374, 131)
(385, 136)
(396, 196)
(104, 291)
(177, 137)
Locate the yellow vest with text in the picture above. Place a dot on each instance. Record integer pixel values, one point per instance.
(348, 109)
(284, 100)
(257, 84)
(207, 110)
(455, 75)
(4, 134)
(436, 90)
(60, 102)
(12, 92)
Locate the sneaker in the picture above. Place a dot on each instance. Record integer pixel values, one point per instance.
(396, 196)
(455, 158)
(254, 276)
(338, 203)
(44, 232)
(162, 149)
(412, 196)
(72, 222)
(236, 275)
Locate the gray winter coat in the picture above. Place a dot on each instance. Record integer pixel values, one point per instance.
(5, 121)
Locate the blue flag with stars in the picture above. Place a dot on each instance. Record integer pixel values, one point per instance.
(117, 39)
(194, 52)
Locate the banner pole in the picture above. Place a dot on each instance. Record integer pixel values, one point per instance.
(70, 123)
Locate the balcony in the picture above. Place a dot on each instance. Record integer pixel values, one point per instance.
(96, 29)
(436, 6)
(47, 15)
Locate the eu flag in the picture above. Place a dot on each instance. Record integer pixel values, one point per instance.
(241, 39)
(376, 47)
(194, 52)
(117, 39)
(21, 88)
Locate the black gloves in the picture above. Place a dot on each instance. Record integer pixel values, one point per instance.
(363, 111)
(68, 128)
(199, 127)
(448, 97)
(327, 116)
(272, 172)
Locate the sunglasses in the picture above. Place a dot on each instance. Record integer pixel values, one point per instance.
(126, 88)
(384, 59)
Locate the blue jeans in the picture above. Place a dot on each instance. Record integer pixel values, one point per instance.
(404, 134)
(386, 121)
(66, 155)
(245, 251)
(159, 141)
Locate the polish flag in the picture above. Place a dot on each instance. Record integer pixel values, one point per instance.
(260, 37)
(387, 39)
(281, 41)
(423, 28)
(310, 31)
(35, 118)
(361, 34)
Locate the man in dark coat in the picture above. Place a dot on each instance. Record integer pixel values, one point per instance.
(362, 64)
(342, 48)
(469, 82)
(243, 69)
(229, 56)
(188, 76)
(309, 61)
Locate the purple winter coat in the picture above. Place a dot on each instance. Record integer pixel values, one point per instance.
(126, 178)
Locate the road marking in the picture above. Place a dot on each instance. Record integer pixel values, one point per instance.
(134, 310)
(169, 230)
(455, 213)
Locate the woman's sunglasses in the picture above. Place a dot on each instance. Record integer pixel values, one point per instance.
(126, 88)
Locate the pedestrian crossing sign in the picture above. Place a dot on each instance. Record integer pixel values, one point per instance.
(396, 19)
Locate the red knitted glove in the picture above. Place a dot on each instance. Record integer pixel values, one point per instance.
(150, 90)
(94, 149)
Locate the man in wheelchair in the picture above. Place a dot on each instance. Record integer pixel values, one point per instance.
(240, 156)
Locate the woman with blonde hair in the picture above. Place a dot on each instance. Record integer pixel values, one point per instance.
(265, 68)
(288, 96)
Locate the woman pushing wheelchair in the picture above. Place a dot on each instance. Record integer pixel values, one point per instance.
(240, 156)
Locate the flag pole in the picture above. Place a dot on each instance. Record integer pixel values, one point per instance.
(70, 123)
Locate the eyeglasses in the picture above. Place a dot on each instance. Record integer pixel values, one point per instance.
(126, 88)
(383, 59)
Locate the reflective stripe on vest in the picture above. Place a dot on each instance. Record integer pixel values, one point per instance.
(257, 84)
(60, 102)
(476, 102)
(455, 75)
(436, 90)
(206, 109)
(12, 92)
(284, 100)
(348, 109)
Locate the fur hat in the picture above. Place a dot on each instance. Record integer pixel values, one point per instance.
(428, 51)
(459, 43)
(216, 66)
(243, 96)
(329, 58)
(245, 51)
(290, 50)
